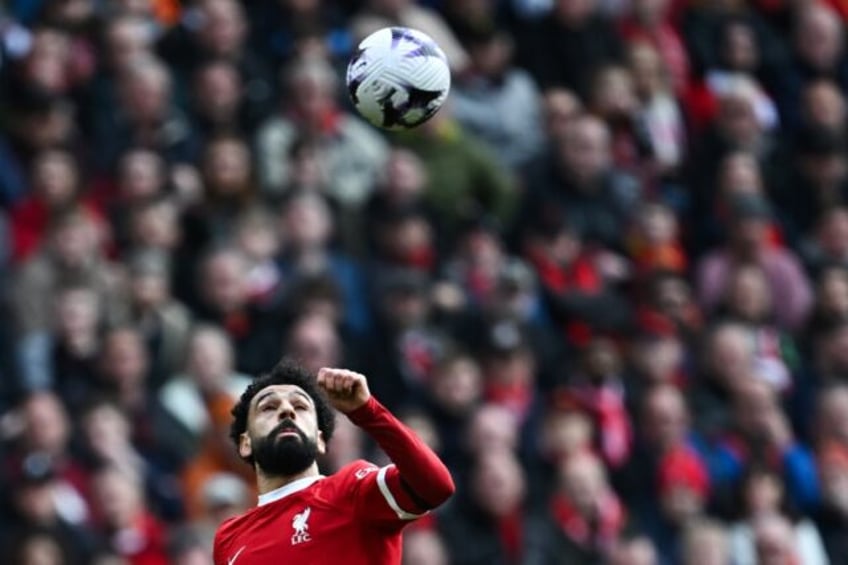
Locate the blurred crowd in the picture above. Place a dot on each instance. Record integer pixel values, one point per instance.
(607, 282)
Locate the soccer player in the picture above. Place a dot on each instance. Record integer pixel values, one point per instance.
(282, 422)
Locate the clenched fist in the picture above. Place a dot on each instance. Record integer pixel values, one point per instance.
(346, 390)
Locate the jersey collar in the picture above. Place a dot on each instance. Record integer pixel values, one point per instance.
(285, 490)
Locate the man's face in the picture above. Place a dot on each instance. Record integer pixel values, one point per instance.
(282, 431)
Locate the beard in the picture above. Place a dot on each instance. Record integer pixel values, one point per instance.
(284, 456)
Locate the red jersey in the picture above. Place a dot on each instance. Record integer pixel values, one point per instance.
(351, 517)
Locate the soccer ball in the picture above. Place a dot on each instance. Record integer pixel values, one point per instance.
(398, 78)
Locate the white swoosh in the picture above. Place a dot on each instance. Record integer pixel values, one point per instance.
(232, 559)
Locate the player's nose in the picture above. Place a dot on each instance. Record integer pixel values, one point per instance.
(287, 411)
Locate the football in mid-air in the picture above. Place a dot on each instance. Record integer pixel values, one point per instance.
(398, 78)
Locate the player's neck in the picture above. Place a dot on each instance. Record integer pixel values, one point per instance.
(267, 483)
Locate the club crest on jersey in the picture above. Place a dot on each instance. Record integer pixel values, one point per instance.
(301, 527)
(365, 471)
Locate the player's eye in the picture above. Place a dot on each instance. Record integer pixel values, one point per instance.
(300, 406)
(267, 407)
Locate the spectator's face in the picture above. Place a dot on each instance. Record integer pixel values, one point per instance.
(313, 98)
(77, 313)
(149, 290)
(127, 39)
(833, 415)
(680, 503)
(755, 407)
(824, 105)
(210, 360)
(833, 234)
(639, 551)
(141, 175)
(836, 351)
(650, 12)
(140, 8)
(739, 175)
(75, 242)
(648, 70)
(763, 494)
(46, 129)
(499, 483)
(346, 446)
(45, 424)
(749, 296)
(36, 502)
(224, 283)
(706, 546)
(563, 247)
(740, 47)
(194, 556)
(125, 360)
(737, 120)
(560, 108)
(824, 171)
(573, 13)
(492, 428)
(46, 63)
(258, 240)
(146, 94)
(750, 237)
(731, 355)
(492, 57)
(601, 360)
(41, 550)
(657, 360)
(55, 178)
(404, 240)
(833, 294)
(582, 480)
(105, 429)
(614, 95)
(457, 386)
(657, 224)
(585, 149)
(674, 298)
(218, 92)
(224, 28)
(156, 226)
(405, 308)
(666, 418)
(308, 223)
(315, 343)
(513, 368)
(774, 541)
(834, 481)
(118, 498)
(424, 428)
(565, 433)
(423, 547)
(227, 168)
(819, 39)
(405, 176)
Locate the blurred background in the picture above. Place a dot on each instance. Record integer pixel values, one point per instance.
(607, 283)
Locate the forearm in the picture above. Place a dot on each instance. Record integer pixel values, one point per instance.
(419, 469)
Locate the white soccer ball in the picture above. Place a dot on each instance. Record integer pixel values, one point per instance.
(398, 78)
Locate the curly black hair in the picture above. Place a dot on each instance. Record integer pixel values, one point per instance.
(286, 372)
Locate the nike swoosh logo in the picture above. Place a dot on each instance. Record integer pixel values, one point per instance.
(232, 559)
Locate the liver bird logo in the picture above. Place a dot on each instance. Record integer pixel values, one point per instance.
(299, 523)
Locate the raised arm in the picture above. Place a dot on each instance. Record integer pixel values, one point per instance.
(419, 481)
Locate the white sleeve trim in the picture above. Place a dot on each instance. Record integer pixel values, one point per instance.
(390, 498)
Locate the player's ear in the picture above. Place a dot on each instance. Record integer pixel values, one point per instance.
(322, 445)
(245, 448)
